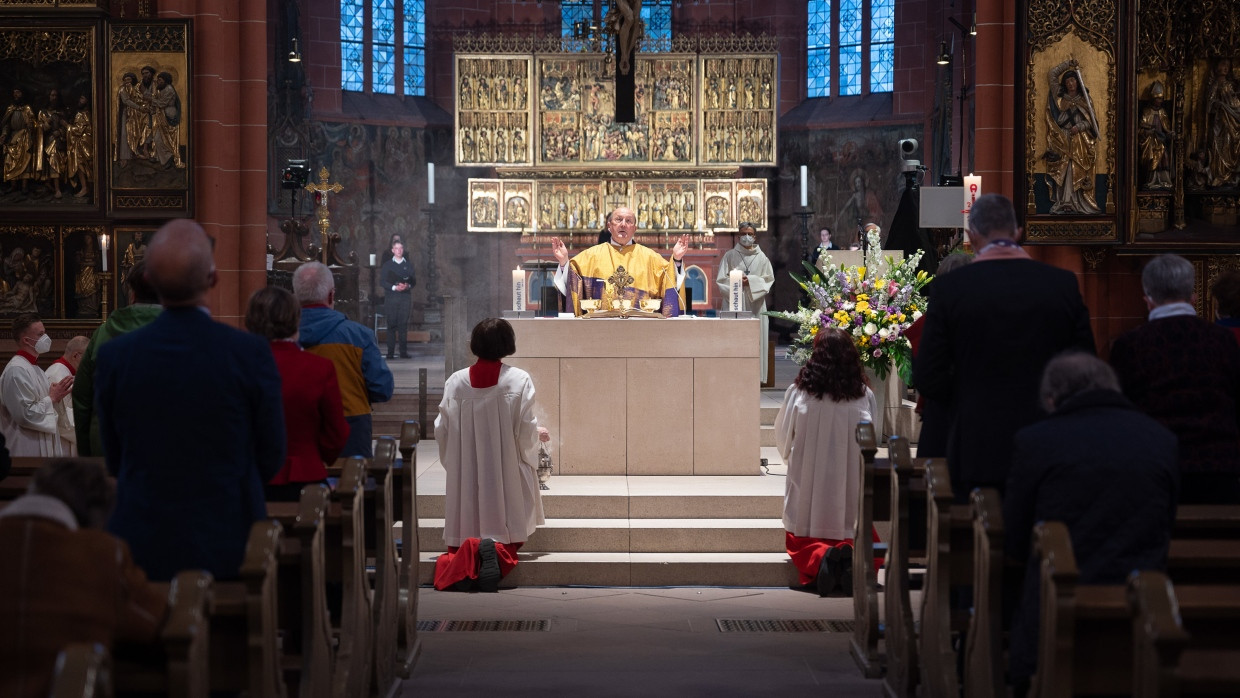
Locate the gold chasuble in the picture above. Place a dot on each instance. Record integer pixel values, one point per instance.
(634, 272)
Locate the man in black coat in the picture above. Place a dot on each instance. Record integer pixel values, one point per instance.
(990, 330)
(1185, 372)
(396, 275)
(1105, 470)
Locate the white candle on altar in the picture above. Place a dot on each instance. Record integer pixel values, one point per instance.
(972, 190)
(103, 246)
(372, 260)
(804, 186)
(430, 182)
(518, 289)
(735, 282)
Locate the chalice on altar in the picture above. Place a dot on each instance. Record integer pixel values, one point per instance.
(652, 305)
(589, 305)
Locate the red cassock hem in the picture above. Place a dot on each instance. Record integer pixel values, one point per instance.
(806, 554)
(461, 563)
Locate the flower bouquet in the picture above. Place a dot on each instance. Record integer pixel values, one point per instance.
(874, 303)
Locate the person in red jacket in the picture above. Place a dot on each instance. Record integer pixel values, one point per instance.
(313, 414)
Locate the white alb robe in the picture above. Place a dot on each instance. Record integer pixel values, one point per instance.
(56, 373)
(488, 445)
(757, 268)
(32, 424)
(817, 440)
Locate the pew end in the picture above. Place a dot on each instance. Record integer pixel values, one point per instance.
(83, 670)
(984, 667)
(405, 506)
(864, 644)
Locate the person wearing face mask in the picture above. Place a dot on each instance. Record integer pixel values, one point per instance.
(33, 417)
(758, 277)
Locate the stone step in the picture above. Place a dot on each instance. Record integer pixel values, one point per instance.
(766, 436)
(637, 506)
(768, 414)
(642, 569)
(639, 536)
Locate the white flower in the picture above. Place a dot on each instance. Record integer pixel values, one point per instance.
(884, 333)
(848, 305)
(916, 315)
(870, 328)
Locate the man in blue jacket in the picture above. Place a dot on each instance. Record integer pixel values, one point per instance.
(363, 375)
(191, 419)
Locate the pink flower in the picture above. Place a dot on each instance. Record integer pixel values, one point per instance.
(878, 353)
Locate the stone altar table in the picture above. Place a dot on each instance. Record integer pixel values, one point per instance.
(644, 396)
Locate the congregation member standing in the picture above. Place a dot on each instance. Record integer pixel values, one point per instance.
(362, 375)
(757, 278)
(1185, 372)
(488, 439)
(815, 433)
(64, 367)
(991, 328)
(64, 580)
(398, 282)
(143, 307)
(33, 417)
(1104, 469)
(191, 420)
(313, 417)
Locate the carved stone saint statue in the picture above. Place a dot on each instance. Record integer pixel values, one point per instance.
(1154, 137)
(1071, 141)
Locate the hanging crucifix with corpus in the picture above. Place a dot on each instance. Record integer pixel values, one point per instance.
(624, 21)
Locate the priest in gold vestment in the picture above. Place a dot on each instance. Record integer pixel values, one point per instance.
(622, 269)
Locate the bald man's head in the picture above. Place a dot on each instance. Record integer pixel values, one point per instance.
(179, 264)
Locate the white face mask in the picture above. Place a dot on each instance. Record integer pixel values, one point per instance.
(43, 344)
(748, 241)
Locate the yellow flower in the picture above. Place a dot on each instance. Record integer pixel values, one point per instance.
(863, 306)
(813, 331)
(863, 296)
(861, 272)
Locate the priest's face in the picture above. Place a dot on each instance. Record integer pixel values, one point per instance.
(622, 224)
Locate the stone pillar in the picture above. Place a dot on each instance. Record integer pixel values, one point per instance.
(994, 96)
(229, 112)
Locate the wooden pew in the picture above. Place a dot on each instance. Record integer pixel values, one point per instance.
(1203, 521)
(405, 508)
(382, 549)
(346, 568)
(244, 652)
(983, 646)
(900, 638)
(13, 487)
(83, 670)
(949, 565)
(26, 465)
(875, 476)
(1168, 659)
(306, 657)
(1085, 642)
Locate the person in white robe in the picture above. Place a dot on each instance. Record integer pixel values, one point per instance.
(488, 438)
(61, 369)
(815, 433)
(758, 277)
(33, 417)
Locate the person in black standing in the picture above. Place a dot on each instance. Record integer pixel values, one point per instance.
(397, 278)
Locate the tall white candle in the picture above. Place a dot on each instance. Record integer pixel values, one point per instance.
(804, 186)
(372, 260)
(518, 289)
(103, 246)
(736, 287)
(430, 182)
(972, 190)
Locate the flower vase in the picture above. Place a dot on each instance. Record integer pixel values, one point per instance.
(884, 397)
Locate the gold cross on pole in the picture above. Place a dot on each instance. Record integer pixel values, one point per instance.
(321, 190)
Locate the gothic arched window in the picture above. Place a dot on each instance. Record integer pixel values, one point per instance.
(383, 46)
(850, 47)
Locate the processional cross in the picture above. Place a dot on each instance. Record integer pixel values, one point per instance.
(321, 190)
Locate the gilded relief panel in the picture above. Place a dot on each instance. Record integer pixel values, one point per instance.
(28, 271)
(492, 110)
(1071, 129)
(738, 97)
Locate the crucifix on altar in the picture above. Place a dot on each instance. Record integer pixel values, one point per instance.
(321, 191)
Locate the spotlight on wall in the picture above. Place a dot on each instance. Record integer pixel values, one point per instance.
(944, 58)
(294, 56)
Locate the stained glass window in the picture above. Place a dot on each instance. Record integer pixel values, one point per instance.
(819, 58)
(882, 44)
(382, 46)
(572, 11)
(841, 45)
(352, 42)
(657, 14)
